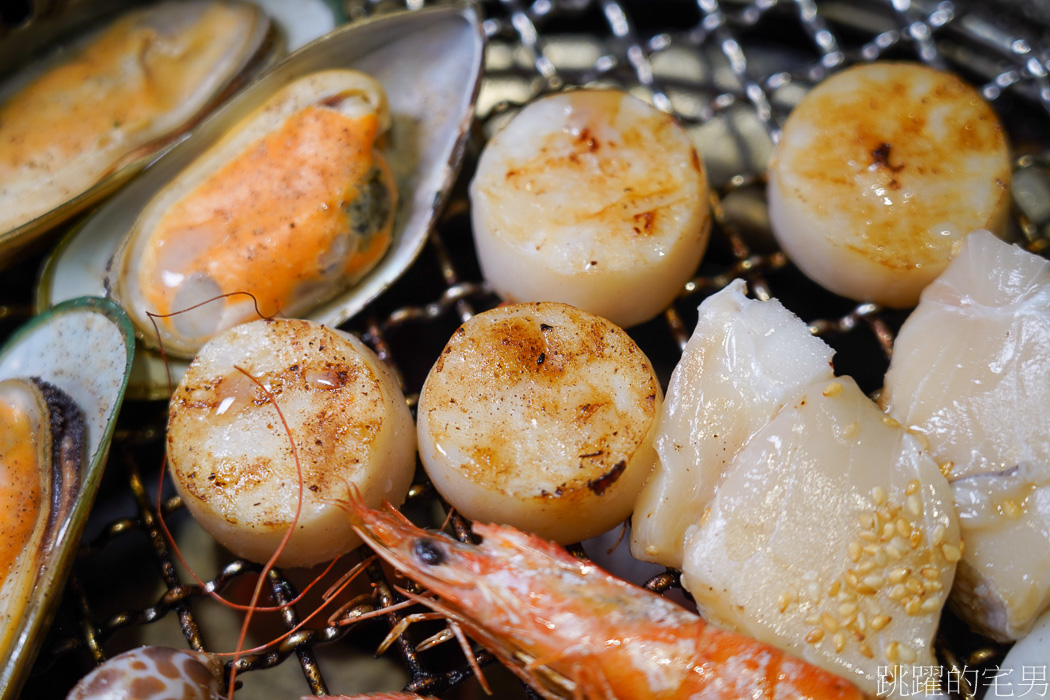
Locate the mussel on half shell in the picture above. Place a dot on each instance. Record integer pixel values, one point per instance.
(81, 120)
(428, 63)
(62, 379)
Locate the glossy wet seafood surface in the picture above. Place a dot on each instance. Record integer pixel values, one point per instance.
(881, 171)
(62, 377)
(293, 205)
(809, 520)
(970, 374)
(723, 70)
(114, 97)
(236, 461)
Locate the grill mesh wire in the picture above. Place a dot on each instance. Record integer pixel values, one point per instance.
(730, 72)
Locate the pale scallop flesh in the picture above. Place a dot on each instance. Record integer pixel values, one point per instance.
(971, 373)
(799, 513)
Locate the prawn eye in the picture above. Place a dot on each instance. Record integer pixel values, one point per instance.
(428, 552)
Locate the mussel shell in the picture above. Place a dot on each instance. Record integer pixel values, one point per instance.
(84, 348)
(429, 62)
(262, 45)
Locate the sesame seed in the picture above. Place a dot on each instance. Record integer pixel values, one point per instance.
(813, 619)
(833, 389)
(907, 654)
(840, 642)
(886, 420)
(946, 468)
(938, 535)
(851, 579)
(929, 572)
(865, 567)
(814, 591)
(855, 550)
(880, 621)
(894, 552)
(847, 609)
(834, 589)
(828, 622)
(951, 553)
(933, 586)
(815, 635)
(851, 429)
(899, 574)
(786, 598)
(892, 651)
(903, 527)
(913, 585)
(912, 487)
(897, 592)
(913, 606)
(867, 521)
(888, 530)
(862, 623)
(915, 538)
(866, 651)
(869, 536)
(915, 504)
(931, 605)
(881, 558)
(878, 494)
(874, 581)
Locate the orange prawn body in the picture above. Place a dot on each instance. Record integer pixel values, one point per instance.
(571, 630)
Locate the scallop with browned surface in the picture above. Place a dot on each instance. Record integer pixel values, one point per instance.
(81, 122)
(274, 414)
(880, 172)
(592, 198)
(540, 416)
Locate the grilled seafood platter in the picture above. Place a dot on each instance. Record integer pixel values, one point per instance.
(352, 233)
(79, 122)
(62, 379)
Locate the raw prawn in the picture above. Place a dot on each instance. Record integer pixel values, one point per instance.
(570, 630)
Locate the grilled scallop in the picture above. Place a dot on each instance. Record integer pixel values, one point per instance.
(880, 172)
(801, 514)
(232, 457)
(113, 97)
(540, 416)
(594, 199)
(293, 205)
(971, 373)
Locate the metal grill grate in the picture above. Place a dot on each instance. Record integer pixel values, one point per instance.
(730, 72)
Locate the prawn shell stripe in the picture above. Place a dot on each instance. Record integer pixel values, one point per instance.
(569, 629)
